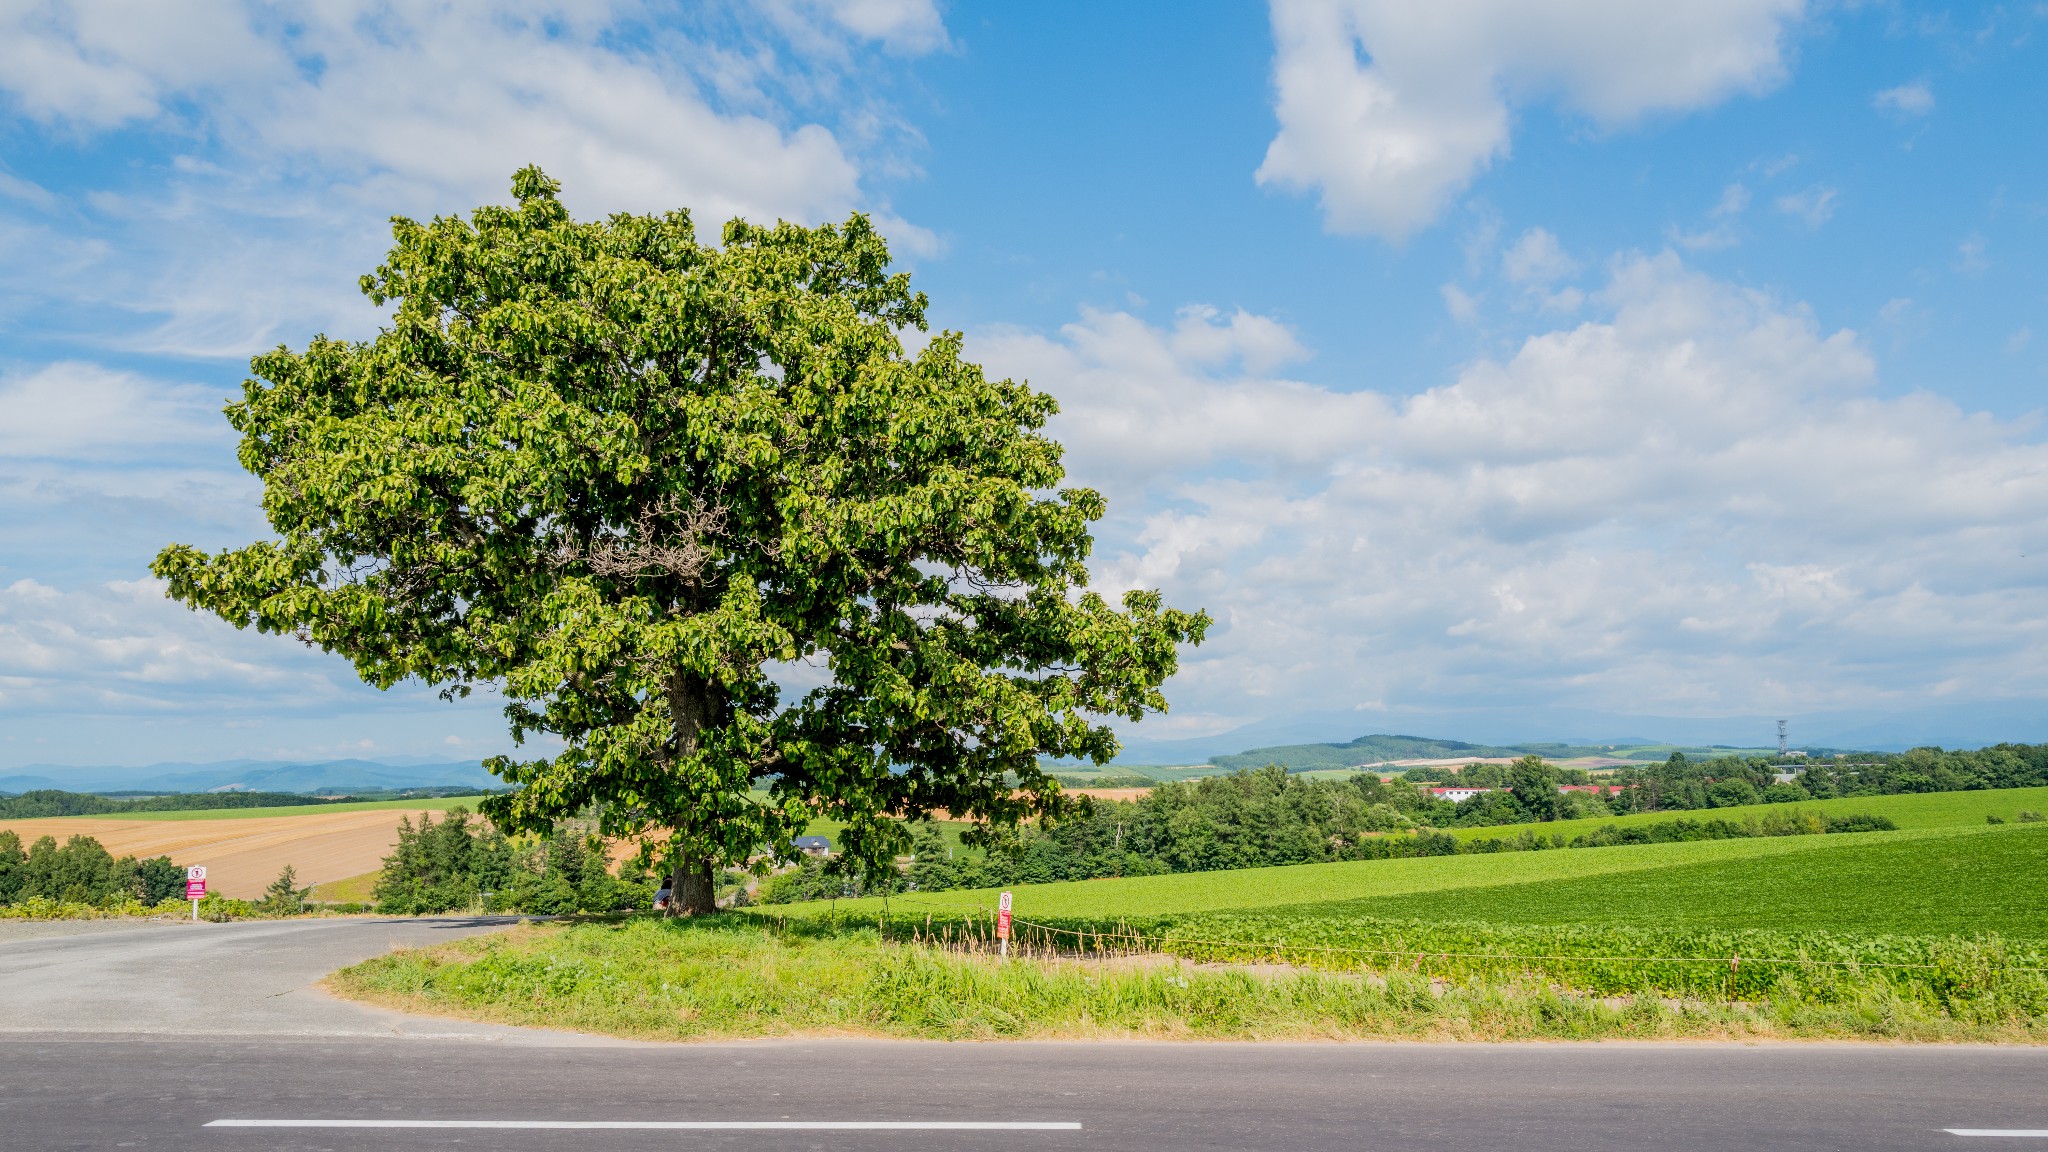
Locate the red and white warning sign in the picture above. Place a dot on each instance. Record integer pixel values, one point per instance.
(1003, 917)
(195, 882)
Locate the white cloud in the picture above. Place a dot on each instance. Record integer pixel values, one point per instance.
(1462, 306)
(1388, 109)
(1537, 259)
(1915, 99)
(1970, 254)
(905, 25)
(121, 646)
(1813, 206)
(1734, 202)
(79, 411)
(1695, 504)
(443, 100)
(293, 139)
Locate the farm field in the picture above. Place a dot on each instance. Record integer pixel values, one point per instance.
(1251, 888)
(1916, 810)
(1956, 882)
(244, 852)
(433, 804)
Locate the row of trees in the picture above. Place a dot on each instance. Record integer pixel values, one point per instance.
(83, 872)
(463, 863)
(42, 802)
(1249, 820)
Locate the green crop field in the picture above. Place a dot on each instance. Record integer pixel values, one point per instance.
(436, 804)
(1321, 883)
(1920, 810)
(1951, 882)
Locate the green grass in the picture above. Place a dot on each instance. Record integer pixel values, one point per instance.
(352, 890)
(1921, 810)
(732, 977)
(1957, 881)
(435, 804)
(1320, 883)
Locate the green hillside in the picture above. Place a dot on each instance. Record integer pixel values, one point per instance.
(1955, 882)
(1381, 749)
(1249, 888)
(1915, 810)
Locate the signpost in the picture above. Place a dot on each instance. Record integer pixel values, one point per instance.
(1003, 924)
(195, 888)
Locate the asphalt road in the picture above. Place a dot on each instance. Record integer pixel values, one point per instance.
(162, 1072)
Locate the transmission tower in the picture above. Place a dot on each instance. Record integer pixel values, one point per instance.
(1781, 739)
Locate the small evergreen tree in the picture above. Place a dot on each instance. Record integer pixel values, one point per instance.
(284, 897)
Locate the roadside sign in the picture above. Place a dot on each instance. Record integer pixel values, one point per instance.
(195, 888)
(1003, 922)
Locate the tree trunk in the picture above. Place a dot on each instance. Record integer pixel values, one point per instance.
(691, 892)
(693, 705)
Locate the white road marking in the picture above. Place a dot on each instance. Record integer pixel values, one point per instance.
(670, 1125)
(2030, 1133)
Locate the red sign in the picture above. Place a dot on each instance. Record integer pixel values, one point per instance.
(195, 889)
(1003, 917)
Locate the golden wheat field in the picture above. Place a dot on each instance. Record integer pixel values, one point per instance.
(242, 855)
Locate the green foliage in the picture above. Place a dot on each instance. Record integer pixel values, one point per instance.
(51, 802)
(616, 473)
(82, 872)
(284, 897)
(454, 864)
(1262, 819)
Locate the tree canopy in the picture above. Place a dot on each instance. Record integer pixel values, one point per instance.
(639, 484)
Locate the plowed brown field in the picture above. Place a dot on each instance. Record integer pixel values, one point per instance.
(241, 856)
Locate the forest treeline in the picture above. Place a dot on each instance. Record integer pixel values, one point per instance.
(52, 802)
(82, 872)
(465, 863)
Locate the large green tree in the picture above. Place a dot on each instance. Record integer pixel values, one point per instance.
(636, 483)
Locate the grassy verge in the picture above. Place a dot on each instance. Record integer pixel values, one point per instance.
(353, 890)
(733, 977)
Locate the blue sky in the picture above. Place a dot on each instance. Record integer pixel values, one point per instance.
(1486, 369)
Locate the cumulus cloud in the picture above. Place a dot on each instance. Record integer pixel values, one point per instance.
(1697, 503)
(445, 98)
(1388, 109)
(291, 139)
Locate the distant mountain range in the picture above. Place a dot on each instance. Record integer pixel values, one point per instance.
(335, 776)
(1381, 749)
